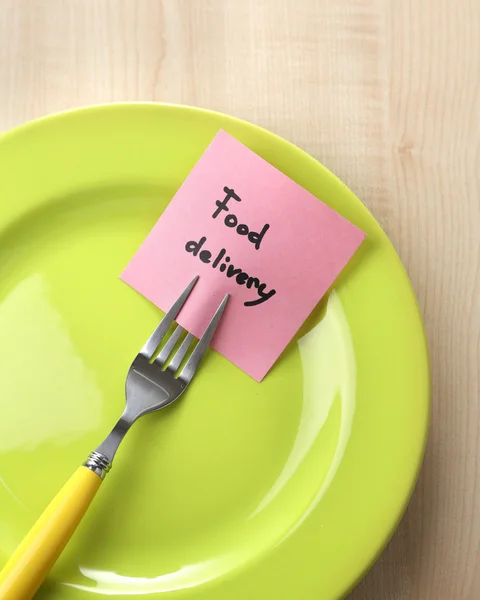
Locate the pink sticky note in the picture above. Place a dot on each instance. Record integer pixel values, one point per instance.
(248, 230)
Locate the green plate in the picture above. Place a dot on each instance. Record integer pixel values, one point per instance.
(286, 489)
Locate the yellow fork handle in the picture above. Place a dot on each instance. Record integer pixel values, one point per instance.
(31, 562)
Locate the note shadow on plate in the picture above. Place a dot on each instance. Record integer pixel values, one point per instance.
(318, 313)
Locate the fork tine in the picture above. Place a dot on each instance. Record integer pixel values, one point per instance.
(154, 340)
(180, 354)
(169, 345)
(189, 369)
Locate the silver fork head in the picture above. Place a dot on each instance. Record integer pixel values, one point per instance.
(152, 385)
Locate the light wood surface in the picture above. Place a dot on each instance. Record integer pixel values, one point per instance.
(384, 93)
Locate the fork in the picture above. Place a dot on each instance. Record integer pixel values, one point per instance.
(150, 386)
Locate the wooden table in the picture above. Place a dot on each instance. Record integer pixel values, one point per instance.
(385, 93)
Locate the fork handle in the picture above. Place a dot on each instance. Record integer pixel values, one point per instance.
(31, 562)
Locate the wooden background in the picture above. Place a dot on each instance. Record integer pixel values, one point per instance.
(386, 93)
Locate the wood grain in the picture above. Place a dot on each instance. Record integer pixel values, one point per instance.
(384, 93)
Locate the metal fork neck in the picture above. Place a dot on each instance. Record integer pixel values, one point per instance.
(110, 445)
